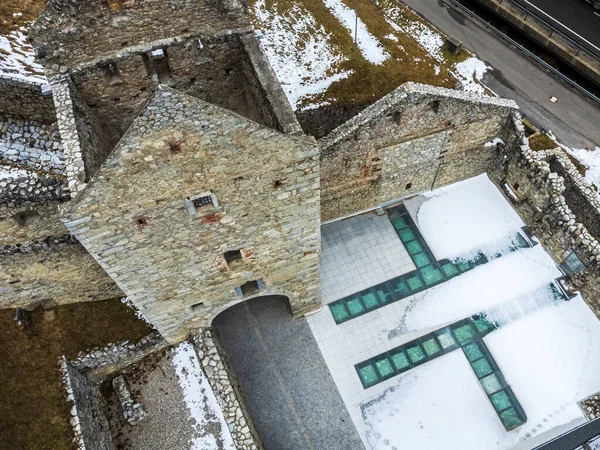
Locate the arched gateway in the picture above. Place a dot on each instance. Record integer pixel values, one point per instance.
(284, 380)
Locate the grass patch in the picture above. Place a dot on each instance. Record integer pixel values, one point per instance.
(408, 60)
(541, 141)
(34, 414)
(30, 10)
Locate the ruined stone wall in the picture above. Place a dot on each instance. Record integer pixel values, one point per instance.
(72, 32)
(90, 426)
(264, 92)
(216, 69)
(56, 270)
(29, 143)
(318, 122)
(227, 390)
(415, 139)
(85, 145)
(26, 100)
(28, 189)
(137, 219)
(556, 202)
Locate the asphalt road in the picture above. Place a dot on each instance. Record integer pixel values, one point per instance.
(574, 120)
(289, 392)
(577, 15)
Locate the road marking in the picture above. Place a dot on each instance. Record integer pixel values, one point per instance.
(562, 24)
(598, 14)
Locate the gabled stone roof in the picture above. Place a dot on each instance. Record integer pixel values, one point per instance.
(399, 97)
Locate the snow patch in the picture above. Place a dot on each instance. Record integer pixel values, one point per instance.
(200, 400)
(439, 405)
(427, 38)
(591, 160)
(506, 279)
(470, 72)
(17, 58)
(368, 44)
(547, 359)
(494, 143)
(466, 217)
(299, 51)
(7, 173)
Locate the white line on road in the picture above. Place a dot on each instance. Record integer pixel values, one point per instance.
(557, 21)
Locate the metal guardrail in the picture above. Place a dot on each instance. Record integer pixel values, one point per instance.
(530, 54)
(577, 40)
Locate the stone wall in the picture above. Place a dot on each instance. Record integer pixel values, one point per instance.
(265, 93)
(72, 32)
(556, 202)
(29, 189)
(25, 99)
(85, 145)
(117, 89)
(318, 122)
(260, 200)
(54, 270)
(26, 142)
(227, 390)
(90, 426)
(413, 140)
(98, 364)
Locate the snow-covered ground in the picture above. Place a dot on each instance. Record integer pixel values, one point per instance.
(299, 51)
(547, 357)
(371, 48)
(470, 72)
(545, 346)
(427, 38)
(17, 58)
(591, 160)
(463, 218)
(200, 400)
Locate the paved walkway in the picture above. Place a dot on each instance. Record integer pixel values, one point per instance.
(287, 387)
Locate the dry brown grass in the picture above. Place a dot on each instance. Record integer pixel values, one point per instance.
(541, 141)
(33, 412)
(30, 10)
(408, 60)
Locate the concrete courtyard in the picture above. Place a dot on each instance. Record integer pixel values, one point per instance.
(442, 326)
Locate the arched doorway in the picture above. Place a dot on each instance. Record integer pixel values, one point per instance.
(286, 385)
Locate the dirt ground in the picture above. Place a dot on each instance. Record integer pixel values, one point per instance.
(33, 411)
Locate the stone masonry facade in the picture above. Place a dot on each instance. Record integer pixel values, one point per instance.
(415, 139)
(163, 162)
(189, 187)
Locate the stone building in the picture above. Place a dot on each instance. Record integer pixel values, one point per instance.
(184, 180)
(164, 163)
(197, 208)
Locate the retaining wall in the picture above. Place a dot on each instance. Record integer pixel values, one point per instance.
(566, 49)
(25, 99)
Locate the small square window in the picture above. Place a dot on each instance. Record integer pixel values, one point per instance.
(233, 255)
(202, 203)
(198, 306)
(250, 287)
(572, 265)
